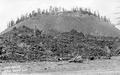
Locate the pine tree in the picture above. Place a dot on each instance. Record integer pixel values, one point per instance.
(39, 11)
(11, 23)
(17, 21)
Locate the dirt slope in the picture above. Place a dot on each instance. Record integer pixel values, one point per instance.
(62, 23)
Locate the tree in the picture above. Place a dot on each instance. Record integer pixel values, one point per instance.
(17, 21)
(11, 23)
(30, 15)
(39, 11)
(34, 13)
(43, 12)
(50, 9)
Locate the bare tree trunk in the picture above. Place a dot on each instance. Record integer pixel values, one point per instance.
(35, 31)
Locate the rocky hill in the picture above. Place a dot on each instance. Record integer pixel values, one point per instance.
(50, 36)
(25, 44)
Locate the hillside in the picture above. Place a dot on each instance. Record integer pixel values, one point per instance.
(66, 21)
(65, 35)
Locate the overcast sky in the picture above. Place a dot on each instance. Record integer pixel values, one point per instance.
(11, 9)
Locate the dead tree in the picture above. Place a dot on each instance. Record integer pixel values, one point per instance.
(108, 52)
(35, 29)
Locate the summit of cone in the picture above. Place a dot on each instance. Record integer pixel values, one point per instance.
(54, 20)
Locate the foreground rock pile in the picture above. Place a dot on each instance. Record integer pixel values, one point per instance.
(25, 44)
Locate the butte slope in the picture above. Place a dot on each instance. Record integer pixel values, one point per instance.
(63, 23)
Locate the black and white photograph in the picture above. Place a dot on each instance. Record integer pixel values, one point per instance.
(59, 37)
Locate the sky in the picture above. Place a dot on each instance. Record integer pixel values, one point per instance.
(11, 9)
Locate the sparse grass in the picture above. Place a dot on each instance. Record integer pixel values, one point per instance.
(65, 67)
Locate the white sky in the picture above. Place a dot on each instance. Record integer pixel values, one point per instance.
(11, 9)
